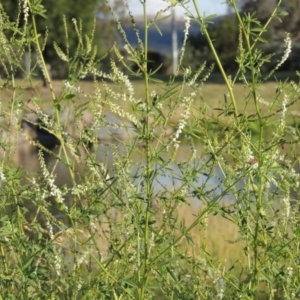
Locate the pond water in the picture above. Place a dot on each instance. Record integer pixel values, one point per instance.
(169, 178)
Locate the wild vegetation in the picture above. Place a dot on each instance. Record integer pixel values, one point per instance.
(147, 213)
(53, 21)
(225, 31)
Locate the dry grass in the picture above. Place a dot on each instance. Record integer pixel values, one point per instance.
(214, 238)
(218, 236)
(211, 94)
(215, 235)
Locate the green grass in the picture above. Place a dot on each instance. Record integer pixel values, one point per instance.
(212, 94)
(163, 232)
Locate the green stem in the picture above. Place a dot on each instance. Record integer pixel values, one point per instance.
(39, 50)
(46, 74)
(12, 113)
(219, 63)
(57, 115)
(253, 86)
(259, 35)
(148, 156)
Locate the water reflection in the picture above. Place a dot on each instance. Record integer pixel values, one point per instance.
(168, 177)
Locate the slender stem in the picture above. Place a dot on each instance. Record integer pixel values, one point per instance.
(250, 47)
(5, 265)
(46, 74)
(259, 35)
(39, 50)
(57, 116)
(148, 155)
(12, 113)
(219, 63)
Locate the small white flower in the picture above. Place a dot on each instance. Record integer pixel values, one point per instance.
(54, 190)
(287, 205)
(186, 33)
(82, 259)
(284, 110)
(262, 101)
(128, 50)
(187, 71)
(25, 10)
(287, 51)
(153, 94)
(58, 264)
(71, 88)
(254, 165)
(289, 271)
(2, 176)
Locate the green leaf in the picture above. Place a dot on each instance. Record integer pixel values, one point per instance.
(130, 283)
(282, 13)
(189, 239)
(172, 274)
(57, 104)
(157, 28)
(69, 96)
(267, 278)
(210, 17)
(42, 15)
(261, 39)
(153, 72)
(257, 29)
(163, 18)
(133, 59)
(156, 80)
(160, 113)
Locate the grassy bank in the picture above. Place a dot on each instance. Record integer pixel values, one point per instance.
(207, 212)
(210, 94)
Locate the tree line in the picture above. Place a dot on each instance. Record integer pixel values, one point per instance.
(57, 27)
(94, 16)
(225, 35)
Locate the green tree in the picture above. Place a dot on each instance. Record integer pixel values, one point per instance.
(264, 8)
(289, 22)
(85, 12)
(225, 31)
(225, 38)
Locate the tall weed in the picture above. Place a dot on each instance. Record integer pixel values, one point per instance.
(124, 217)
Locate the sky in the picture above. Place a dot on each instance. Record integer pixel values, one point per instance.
(208, 7)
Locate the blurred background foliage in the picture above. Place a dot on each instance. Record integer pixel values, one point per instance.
(224, 32)
(53, 26)
(223, 29)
